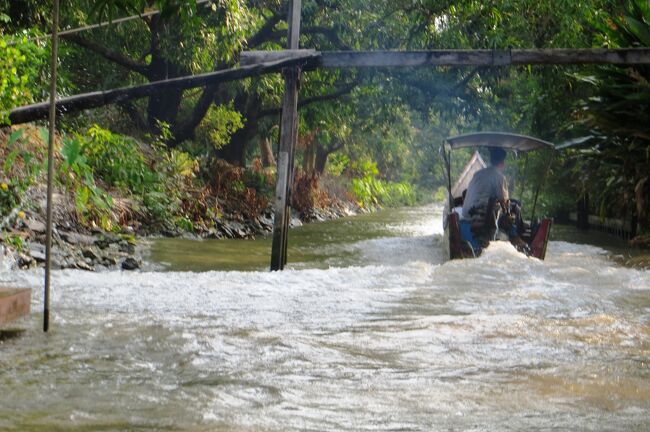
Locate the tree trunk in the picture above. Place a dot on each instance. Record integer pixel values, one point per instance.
(640, 198)
(267, 153)
(235, 151)
(163, 106)
(320, 160)
(582, 222)
(309, 158)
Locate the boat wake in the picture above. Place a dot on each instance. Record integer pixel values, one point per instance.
(391, 338)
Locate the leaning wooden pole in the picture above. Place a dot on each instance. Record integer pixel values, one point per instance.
(72, 104)
(288, 138)
(50, 166)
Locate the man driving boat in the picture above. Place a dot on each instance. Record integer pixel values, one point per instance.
(486, 199)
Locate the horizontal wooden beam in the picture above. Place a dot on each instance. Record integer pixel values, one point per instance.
(481, 57)
(255, 63)
(247, 58)
(339, 59)
(84, 101)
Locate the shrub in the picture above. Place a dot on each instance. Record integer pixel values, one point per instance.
(307, 193)
(22, 163)
(337, 163)
(440, 195)
(92, 203)
(119, 161)
(372, 192)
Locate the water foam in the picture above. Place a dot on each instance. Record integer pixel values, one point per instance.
(399, 340)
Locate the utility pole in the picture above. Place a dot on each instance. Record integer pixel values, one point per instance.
(286, 151)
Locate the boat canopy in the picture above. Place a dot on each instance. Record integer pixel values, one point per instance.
(474, 165)
(504, 140)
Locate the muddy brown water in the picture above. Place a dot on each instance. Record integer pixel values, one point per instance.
(368, 330)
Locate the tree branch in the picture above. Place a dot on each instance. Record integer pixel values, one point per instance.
(108, 54)
(328, 32)
(314, 99)
(265, 33)
(186, 129)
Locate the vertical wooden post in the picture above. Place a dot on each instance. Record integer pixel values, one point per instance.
(50, 166)
(582, 219)
(288, 138)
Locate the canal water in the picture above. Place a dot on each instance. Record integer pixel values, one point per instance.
(368, 330)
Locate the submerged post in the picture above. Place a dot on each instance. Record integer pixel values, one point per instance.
(50, 166)
(288, 138)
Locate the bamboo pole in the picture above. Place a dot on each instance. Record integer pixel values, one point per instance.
(50, 165)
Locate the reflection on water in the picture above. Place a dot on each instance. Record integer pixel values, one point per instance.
(367, 332)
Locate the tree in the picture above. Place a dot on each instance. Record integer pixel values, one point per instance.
(614, 166)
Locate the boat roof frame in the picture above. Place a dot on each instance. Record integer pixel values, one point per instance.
(505, 140)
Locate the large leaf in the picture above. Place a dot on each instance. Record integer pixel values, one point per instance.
(638, 29)
(71, 151)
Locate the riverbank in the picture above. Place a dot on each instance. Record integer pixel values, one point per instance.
(78, 246)
(112, 190)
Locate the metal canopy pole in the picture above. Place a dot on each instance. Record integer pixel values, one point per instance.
(541, 184)
(50, 166)
(288, 138)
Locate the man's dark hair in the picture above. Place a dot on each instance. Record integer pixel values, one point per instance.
(497, 155)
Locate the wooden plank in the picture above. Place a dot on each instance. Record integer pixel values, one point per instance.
(84, 101)
(337, 59)
(14, 304)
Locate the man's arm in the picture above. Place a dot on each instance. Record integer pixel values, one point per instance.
(501, 191)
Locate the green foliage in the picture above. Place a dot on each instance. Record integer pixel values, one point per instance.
(372, 192)
(21, 65)
(184, 223)
(613, 168)
(260, 181)
(15, 241)
(92, 203)
(118, 160)
(440, 194)
(219, 124)
(338, 163)
(21, 168)
(9, 198)
(381, 124)
(364, 168)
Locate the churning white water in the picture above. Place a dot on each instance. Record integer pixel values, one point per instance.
(388, 339)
